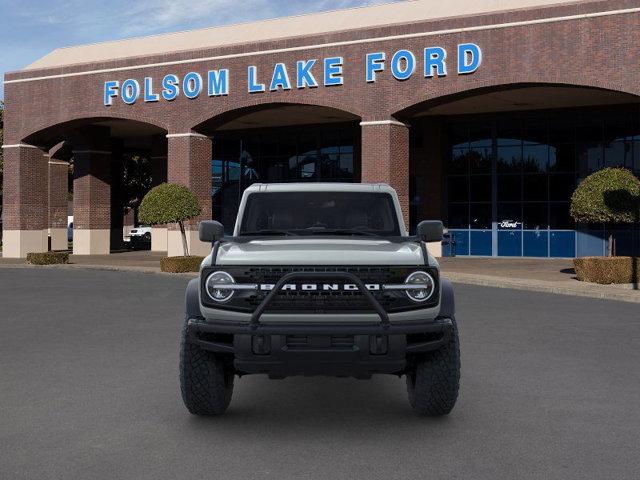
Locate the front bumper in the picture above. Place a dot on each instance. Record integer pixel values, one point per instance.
(337, 349)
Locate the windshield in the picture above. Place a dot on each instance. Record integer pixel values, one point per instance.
(320, 213)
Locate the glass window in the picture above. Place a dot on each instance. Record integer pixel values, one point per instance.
(481, 188)
(535, 158)
(480, 136)
(458, 215)
(509, 187)
(509, 215)
(509, 133)
(459, 161)
(559, 218)
(561, 186)
(534, 188)
(480, 216)
(618, 154)
(317, 213)
(458, 189)
(589, 130)
(459, 135)
(561, 130)
(534, 133)
(562, 157)
(589, 157)
(535, 216)
(480, 159)
(510, 159)
(636, 156)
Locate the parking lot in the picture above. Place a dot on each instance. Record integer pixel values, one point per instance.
(89, 389)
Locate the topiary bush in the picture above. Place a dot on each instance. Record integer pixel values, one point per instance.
(607, 270)
(48, 258)
(611, 195)
(181, 264)
(170, 203)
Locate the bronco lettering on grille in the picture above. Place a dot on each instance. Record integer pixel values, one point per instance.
(323, 287)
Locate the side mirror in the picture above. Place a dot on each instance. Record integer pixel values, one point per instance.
(210, 231)
(430, 231)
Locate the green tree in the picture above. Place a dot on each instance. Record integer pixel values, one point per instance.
(170, 203)
(136, 180)
(611, 195)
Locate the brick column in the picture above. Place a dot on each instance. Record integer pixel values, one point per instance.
(25, 210)
(92, 192)
(385, 157)
(58, 191)
(189, 164)
(158, 175)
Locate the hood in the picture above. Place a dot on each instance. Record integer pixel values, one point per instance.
(317, 251)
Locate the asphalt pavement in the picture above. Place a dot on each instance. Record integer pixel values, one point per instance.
(89, 390)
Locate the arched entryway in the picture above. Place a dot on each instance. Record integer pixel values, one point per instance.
(499, 165)
(89, 171)
(277, 143)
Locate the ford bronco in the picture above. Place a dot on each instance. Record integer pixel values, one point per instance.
(320, 279)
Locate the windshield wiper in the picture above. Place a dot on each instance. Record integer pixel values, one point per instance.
(267, 232)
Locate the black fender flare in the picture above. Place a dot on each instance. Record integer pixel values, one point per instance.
(447, 299)
(192, 299)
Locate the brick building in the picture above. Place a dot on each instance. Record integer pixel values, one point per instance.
(485, 114)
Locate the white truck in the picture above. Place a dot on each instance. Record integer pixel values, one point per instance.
(320, 279)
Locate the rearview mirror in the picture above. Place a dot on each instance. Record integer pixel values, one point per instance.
(210, 231)
(430, 231)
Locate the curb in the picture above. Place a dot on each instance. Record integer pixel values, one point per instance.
(111, 268)
(603, 292)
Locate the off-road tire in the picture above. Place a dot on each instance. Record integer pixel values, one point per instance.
(433, 382)
(205, 382)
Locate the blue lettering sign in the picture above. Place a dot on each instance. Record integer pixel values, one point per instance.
(403, 64)
(170, 87)
(375, 63)
(130, 91)
(333, 71)
(254, 87)
(469, 58)
(192, 85)
(434, 59)
(149, 96)
(280, 78)
(110, 92)
(218, 82)
(304, 77)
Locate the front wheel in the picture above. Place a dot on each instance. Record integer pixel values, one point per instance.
(206, 382)
(433, 382)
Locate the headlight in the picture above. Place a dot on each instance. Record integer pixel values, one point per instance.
(215, 286)
(420, 286)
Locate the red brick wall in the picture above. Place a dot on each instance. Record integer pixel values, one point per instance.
(189, 164)
(385, 159)
(26, 184)
(58, 192)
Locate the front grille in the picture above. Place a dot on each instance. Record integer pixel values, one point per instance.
(319, 301)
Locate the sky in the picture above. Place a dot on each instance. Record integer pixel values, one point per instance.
(29, 29)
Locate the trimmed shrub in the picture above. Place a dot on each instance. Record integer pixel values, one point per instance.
(170, 203)
(607, 270)
(181, 264)
(48, 258)
(611, 195)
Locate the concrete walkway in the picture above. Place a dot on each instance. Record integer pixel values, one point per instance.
(540, 275)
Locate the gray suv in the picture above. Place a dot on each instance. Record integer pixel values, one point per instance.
(320, 279)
